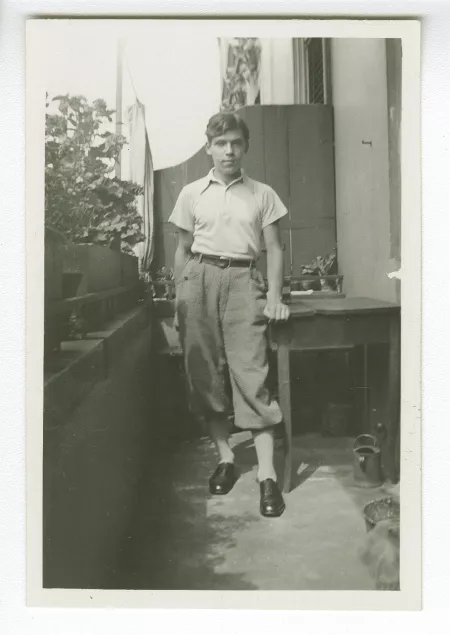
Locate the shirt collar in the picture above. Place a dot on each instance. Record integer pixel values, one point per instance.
(211, 178)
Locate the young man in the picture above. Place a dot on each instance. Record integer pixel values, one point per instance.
(221, 305)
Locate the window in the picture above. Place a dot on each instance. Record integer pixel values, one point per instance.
(315, 71)
(312, 71)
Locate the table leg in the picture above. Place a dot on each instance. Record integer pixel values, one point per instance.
(360, 387)
(284, 394)
(319, 395)
(393, 414)
(353, 371)
(366, 413)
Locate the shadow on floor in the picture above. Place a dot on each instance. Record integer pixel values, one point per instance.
(127, 504)
(305, 462)
(175, 544)
(332, 455)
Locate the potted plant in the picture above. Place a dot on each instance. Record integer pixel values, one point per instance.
(321, 275)
(163, 284)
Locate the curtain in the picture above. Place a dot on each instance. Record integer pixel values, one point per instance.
(257, 70)
(240, 66)
(277, 71)
(141, 172)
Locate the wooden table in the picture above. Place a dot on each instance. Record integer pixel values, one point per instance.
(320, 324)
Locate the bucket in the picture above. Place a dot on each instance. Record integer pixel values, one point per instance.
(367, 461)
(381, 509)
(383, 547)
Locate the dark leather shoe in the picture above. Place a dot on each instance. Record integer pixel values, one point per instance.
(223, 479)
(272, 503)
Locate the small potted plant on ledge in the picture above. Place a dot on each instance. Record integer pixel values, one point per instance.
(162, 283)
(319, 276)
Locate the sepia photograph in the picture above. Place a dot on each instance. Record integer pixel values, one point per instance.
(227, 330)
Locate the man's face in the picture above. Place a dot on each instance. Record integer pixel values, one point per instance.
(227, 152)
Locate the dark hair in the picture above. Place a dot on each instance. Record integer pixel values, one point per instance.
(222, 122)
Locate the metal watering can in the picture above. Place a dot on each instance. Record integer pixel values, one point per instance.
(367, 470)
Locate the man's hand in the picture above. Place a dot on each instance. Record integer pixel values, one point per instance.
(275, 310)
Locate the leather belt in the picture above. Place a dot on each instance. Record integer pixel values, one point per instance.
(223, 262)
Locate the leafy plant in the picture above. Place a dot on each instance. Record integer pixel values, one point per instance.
(242, 76)
(164, 274)
(83, 200)
(163, 282)
(77, 327)
(321, 266)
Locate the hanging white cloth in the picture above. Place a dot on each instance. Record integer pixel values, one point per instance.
(179, 83)
(277, 71)
(141, 172)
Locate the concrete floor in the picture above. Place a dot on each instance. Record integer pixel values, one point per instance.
(127, 504)
(184, 538)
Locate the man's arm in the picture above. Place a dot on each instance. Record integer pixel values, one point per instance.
(275, 309)
(183, 252)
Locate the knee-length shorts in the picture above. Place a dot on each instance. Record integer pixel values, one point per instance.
(223, 336)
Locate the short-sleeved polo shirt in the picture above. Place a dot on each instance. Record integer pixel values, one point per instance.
(227, 219)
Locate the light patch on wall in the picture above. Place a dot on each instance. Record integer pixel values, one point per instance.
(397, 275)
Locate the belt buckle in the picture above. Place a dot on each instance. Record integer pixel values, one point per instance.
(224, 260)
